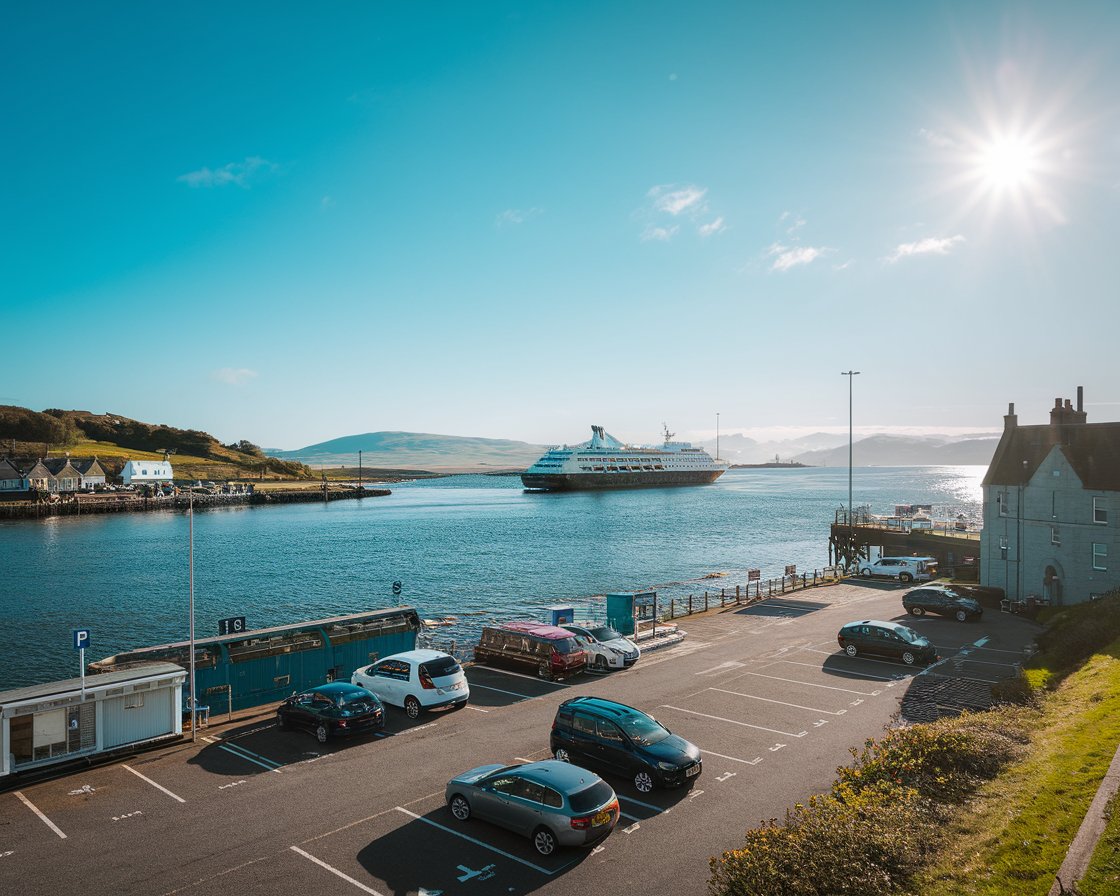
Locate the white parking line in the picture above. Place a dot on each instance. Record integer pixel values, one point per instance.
(242, 753)
(173, 796)
(481, 843)
(704, 715)
(336, 872)
(537, 678)
(43, 818)
(865, 659)
(754, 761)
(482, 687)
(827, 712)
(810, 684)
(656, 809)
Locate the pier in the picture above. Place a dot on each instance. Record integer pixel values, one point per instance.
(850, 543)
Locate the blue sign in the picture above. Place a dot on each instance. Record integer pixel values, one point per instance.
(81, 638)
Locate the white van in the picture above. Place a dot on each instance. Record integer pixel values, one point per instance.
(905, 569)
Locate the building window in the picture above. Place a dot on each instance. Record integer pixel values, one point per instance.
(134, 701)
(1055, 535)
(1100, 556)
(1001, 502)
(1003, 547)
(1100, 513)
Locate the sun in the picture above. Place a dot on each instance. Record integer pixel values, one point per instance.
(1007, 163)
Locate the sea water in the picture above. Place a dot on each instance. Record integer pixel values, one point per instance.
(466, 550)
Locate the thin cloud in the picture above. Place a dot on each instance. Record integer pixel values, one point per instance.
(931, 245)
(659, 234)
(675, 201)
(786, 257)
(712, 227)
(243, 174)
(793, 222)
(934, 138)
(234, 376)
(517, 216)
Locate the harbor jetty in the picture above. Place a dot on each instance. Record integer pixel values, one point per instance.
(78, 504)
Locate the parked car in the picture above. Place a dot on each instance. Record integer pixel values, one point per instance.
(606, 648)
(331, 710)
(617, 739)
(415, 681)
(545, 650)
(943, 600)
(889, 639)
(905, 569)
(553, 803)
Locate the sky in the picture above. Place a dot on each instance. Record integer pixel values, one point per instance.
(289, 222)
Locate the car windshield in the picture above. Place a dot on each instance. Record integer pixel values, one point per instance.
(908, 634)
(354, 701)
(591, 797)
(438, 668)
(604, 633)
(565, 645)
(643, 730)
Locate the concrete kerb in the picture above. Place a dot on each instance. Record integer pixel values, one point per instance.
(1089, 834)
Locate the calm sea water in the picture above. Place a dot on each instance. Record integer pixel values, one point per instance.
(471, 547)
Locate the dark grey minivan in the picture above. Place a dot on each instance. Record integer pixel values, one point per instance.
(873, 637)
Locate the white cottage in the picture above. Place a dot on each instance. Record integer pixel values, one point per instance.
(147, 471)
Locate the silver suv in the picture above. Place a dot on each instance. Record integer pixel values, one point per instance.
(905, 569)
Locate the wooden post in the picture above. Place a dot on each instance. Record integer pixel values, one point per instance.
(705, 601)
(690, 605)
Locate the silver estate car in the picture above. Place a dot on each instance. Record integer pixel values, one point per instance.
(553, 803)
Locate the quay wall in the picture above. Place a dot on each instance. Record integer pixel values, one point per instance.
(79, 504)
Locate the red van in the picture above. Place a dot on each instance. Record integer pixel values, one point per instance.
(546, 650)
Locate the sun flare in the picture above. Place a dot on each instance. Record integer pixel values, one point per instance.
(1007, 162)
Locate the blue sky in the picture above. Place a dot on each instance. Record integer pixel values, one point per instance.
(289, 222)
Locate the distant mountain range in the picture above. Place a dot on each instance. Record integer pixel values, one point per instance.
(429, 451)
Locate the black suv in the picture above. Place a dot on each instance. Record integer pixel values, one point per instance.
(887, 639)
(616, 739)
(942, 600)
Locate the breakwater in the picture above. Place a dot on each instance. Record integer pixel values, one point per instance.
(82, 504)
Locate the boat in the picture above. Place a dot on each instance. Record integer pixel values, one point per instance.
(605, 462)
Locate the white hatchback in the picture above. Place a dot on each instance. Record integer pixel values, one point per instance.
(606, 648)
(416, 680)
(905, 569)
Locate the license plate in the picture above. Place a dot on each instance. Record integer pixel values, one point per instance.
(692, 772)
(603, 817)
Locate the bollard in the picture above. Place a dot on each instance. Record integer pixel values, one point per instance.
(705, 601)
(690, 605)
(672, 608)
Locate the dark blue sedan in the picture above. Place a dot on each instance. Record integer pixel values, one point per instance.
(332, 710)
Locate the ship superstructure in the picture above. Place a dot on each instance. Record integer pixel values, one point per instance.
(605, 462)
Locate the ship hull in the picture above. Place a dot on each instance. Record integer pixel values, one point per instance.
(584, 481)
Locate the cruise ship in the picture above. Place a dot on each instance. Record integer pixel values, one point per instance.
(604, 462)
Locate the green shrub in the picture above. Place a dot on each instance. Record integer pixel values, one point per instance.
(845, 843)
(942, 760)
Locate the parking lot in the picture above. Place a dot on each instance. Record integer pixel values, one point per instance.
(762, 690)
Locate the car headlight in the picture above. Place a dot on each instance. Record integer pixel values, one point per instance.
(667, 767)
(616, 651)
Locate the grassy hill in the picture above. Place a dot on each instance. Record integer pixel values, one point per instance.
(113, 439)
(416, 450)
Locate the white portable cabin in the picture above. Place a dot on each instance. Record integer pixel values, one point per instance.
(46, 724)
(147, 471)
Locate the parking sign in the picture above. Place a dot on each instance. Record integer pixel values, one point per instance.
(81, 638)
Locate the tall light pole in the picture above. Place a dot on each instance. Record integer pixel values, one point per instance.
(194, 718)
(359, 471)
(851, 375)
(717, 435)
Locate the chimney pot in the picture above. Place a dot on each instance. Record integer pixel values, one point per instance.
(1080, 399)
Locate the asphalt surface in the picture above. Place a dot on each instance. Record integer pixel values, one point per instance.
(248, 809)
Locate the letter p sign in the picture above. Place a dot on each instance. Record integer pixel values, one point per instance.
(81, 638)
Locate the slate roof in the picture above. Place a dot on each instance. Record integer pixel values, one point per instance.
(8, 470)
(86, 466)
(1092, 449)
(58, 465)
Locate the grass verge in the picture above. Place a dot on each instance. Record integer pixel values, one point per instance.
(1103, 875)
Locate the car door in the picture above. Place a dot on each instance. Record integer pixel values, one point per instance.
(299, 712)
(583, 740)
(612, 747)
(498, 802)
(382, 681)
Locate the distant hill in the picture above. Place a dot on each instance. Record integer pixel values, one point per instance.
(904, 451)
(416, 449)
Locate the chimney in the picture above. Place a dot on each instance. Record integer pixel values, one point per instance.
(1080, 399)
(1010, 421)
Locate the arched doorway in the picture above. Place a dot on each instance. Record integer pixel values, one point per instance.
(1052, 584)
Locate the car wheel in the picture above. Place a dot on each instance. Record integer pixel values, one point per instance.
(643, 780)
(460, 808)
(281, 722)
(412, 707)
(866, 573)
(961, 615)
(321, 734)
(544, 670)
(561, 755)
(905, 578)
(544, 841)
(601, 664)
(851, 650)
(917, 611)
(908, 658)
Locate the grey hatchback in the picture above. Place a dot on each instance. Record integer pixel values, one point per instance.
(942, 600)
(554, 803)
(889, 639)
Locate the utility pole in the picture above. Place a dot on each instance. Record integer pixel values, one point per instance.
(851, 375)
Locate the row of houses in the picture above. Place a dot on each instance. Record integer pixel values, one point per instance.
(73, 474)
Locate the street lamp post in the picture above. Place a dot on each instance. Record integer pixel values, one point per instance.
(717, 435)
(359, 471)
(194, 718)
(851, 375)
